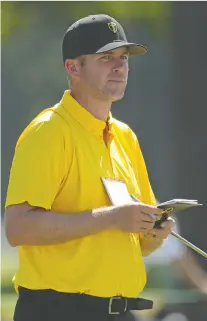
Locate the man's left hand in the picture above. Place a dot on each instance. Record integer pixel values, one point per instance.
(164, 230)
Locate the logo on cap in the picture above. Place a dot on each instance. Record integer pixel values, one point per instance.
(112, 26)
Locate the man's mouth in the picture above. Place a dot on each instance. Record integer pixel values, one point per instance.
(117, 80)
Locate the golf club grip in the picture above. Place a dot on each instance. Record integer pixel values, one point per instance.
(160, 221)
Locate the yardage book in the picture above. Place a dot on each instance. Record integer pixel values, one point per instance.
(176, 205)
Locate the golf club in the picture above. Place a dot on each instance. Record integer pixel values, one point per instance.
(192, 246)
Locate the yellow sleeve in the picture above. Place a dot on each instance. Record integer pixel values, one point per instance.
(38, 166)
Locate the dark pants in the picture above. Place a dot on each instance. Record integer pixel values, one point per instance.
(53, 306)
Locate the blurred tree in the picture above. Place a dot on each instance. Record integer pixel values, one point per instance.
(156, 13)
(190, 130)
(17, 15)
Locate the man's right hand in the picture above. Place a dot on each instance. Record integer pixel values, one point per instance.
(134, 217)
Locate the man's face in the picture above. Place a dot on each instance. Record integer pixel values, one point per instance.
(105, 75)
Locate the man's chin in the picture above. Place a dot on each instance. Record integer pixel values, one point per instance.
(117, 97)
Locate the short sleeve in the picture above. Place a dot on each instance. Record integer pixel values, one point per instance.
(38, 166)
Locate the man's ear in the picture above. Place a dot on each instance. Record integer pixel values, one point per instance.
(71, 67)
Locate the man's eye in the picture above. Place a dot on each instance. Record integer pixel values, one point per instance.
(106, 57)
(125, 57)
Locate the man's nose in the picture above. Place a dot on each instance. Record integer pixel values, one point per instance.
(120, 65)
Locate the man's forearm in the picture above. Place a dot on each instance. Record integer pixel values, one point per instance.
(150, 244)
(40, 227)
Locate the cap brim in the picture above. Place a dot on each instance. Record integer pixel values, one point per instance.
(134, 49)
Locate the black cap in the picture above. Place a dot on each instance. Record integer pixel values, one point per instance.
(96, 34)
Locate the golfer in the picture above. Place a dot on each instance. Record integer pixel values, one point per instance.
(80, 237)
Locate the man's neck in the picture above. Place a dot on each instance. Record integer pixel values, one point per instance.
(99, 109)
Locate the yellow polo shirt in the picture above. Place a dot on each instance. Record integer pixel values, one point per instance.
(58, 164)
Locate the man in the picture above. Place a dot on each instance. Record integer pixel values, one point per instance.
(80, 237)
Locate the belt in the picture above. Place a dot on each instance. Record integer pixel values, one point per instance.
(119, 305)
(112, 305)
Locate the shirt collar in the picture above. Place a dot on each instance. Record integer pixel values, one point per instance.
(86, 119)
